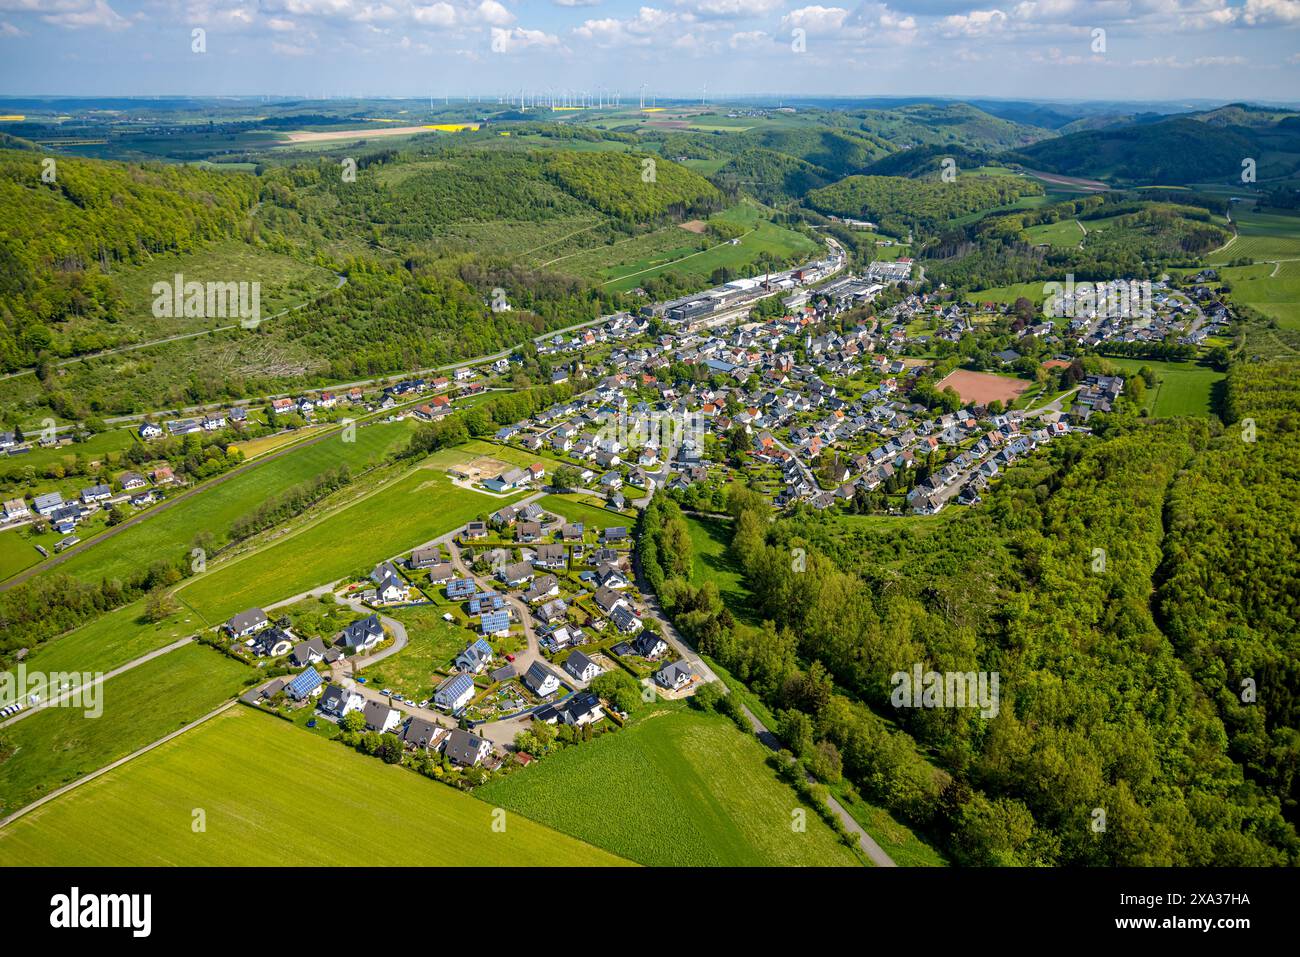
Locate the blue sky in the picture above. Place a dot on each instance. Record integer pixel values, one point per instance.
(1068, 49)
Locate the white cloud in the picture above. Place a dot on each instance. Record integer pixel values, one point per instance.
(641, 30)
(975, 23)
(816, 19)
(518, 38)
(436, 15)
(493, 13)
(730, 9)
(97, 14)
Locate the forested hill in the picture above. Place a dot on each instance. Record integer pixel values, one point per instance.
(898, 203)
(1175, 151)
(64, 234)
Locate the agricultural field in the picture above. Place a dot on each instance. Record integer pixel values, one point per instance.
(1033, 291)
(57, 745)
(389, 520)
(1271, 288)
(1261, 236)
(212, 511)
(673, 788)
(1183, 388)
(263, 785)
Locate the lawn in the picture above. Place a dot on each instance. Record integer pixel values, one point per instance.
(1183, 388)
(431, 644)
(56, 745)
(674, 788)
(172, 532)
(272, 795)
(414, 509)
(1063, 233)
(573, 508)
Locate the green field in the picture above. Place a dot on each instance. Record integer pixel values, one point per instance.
(272, 795)
(1064, 233)
(572, 507)
(431, 644)
(56, 745)
(709, 537)
(674, 788)
(1261, 236)
(1272, 288)
(111, 640)
(762, 237)
(170, 533)
(412, 510)
(1033, 291)
(1183, 388)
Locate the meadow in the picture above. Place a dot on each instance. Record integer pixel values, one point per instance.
(1183, 388)
(213, 510)
(111, 640)
(674, 788)
(57, 745)
(1271, 288)
(709, 538)
(1065, 233)
(391, 519)
(269, 795)
(431, 645)
(1261, 236)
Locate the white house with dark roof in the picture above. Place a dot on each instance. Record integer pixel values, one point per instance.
(541, 680)
(246, 622)
(582, 668)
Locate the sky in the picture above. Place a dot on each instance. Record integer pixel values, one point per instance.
(1022, 49)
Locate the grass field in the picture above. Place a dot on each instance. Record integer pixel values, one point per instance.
(674, 788)
(1033, 291)
(1063, 233)
(1261, 236)
(56, 745)
(763, 237)
(170, 533)
(431, 643)
(1183, 388)
(269, 795)
(111, 640)
(412, 510)
(573, 508)
(709, 537)
(1272, 288)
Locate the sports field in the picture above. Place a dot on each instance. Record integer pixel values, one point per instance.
(674, 788)
(981, 388)
(268, 794)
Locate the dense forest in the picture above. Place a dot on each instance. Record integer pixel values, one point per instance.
(899, 204)
(69, 225)
(632, 187)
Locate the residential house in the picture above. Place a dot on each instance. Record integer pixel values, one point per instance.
(338, 701)
(454, 693)
(476, 656)
(675, 675)
(379, 717)
(307, 653)
(306, 685)
(272, 643)
(581, 667)
(649, 645)
(246, 622)
(466, 749)
(362, 634)
(424, 734)
(541, 680)
(626, 620)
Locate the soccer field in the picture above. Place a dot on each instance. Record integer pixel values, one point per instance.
(248, 789)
